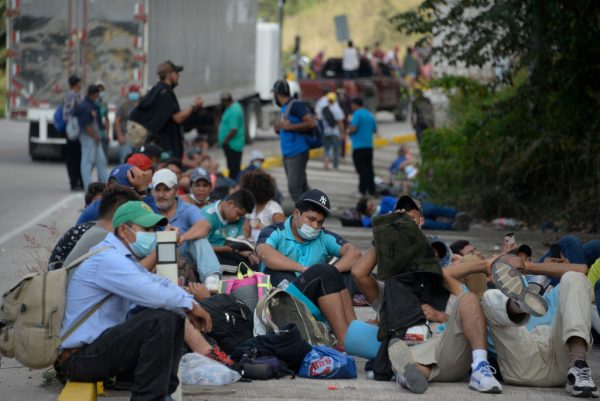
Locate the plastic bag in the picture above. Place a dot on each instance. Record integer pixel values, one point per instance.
(199, 370)
(326, 363)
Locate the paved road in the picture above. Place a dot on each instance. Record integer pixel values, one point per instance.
(37, 193)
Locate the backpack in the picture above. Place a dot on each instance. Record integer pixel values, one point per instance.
(280, 308)
(328, 116)
(32, 313)
(312, 137)
(255, 367)
(231, 319)
(72, 129)
(59, 119)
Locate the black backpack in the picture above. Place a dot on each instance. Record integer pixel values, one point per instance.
(232, 321)
(328, 116)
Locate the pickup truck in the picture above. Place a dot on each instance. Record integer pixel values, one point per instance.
(377, 85)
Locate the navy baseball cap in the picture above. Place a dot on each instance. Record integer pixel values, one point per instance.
(281, 87)
(317, 197)
(200, 174)
(119, 174)
(408, 203)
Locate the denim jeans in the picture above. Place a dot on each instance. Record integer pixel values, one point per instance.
(146, 348)
(200, 252)
(295, 170)
(572, 249)
(124, 150)
(92, 155)
(431, 212)
(331, 143)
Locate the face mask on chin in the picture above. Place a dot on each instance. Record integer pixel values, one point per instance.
(306, 232)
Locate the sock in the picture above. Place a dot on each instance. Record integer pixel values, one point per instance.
(577, 349)
(479, 355)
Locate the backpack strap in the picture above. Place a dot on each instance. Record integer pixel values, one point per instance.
(90, 312)
(288, 109)
(85, 317)
(261, 309)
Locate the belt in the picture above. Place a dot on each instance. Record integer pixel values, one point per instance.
(66, 354)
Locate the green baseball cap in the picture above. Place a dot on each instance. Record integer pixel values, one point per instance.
(139, 213)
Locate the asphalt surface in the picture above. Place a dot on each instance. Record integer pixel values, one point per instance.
(36, 207)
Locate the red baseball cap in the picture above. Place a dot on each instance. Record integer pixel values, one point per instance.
(140, 161)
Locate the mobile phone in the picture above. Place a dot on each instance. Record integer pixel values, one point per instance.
(555, 251)
(509, 239)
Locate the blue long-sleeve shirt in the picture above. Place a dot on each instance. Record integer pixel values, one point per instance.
(114, 271)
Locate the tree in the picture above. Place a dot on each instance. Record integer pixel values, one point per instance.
(545, 124)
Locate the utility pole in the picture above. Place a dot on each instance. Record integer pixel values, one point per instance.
(280, 7)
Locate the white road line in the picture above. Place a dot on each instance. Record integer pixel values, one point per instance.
(32, 222)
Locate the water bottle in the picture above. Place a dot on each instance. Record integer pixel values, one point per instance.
(283, 285)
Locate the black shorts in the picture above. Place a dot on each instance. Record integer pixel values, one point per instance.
(319, 280)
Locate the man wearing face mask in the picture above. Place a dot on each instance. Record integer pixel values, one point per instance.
(298, 250)
(158, 112)
(132, 100)
(147, 345)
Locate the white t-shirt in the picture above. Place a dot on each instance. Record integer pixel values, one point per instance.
(351, 59)
(262, 219)
(322, 102)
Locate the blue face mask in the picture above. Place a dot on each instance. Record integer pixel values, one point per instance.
(133, 96)
(144, 243)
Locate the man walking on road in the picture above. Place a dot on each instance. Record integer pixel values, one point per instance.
(159, 113)
(232, 133)
(361, 131)
(92, 153)
(294, 148)
(73, 148)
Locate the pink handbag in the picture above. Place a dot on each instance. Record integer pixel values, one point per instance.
(248, 287)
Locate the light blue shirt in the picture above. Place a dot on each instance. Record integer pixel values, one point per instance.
(114, 271)
(185, 216)
(366, 126)
(307, 253)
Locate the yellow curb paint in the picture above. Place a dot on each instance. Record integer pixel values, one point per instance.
(76, 391)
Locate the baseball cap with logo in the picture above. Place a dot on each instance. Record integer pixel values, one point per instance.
(200, 174)
(317, 197)
(139, 213)
(408, 203)
(164, 176)
(168, 66)
(119, 174)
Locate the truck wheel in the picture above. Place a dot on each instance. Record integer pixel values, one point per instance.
(252, 114)
(41, 151)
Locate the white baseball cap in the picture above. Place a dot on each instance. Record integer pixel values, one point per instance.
(164, 176)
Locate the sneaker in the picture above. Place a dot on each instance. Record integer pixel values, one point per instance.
(483, 380)
(579, 381)
(462, 222)
(408, 375)
(212, 282)
(219, 356)
(514, 285)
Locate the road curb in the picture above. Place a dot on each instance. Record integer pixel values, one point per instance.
(277, 161)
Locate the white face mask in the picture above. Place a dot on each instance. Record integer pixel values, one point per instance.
(307, 232)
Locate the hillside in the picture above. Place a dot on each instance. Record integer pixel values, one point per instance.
(367, 20)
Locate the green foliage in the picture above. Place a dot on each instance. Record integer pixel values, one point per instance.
(530, 148)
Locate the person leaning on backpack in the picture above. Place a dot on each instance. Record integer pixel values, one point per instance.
(294, 146)
(146, 345)
(73, 148)
(158, 117)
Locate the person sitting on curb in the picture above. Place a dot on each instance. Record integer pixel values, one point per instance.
(128, 176)
(298, 250)
(194, 245)
(458, 329)
(146, 346)
(200, 187)
(266, 212)
(541, 341)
